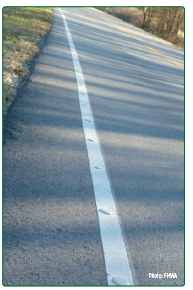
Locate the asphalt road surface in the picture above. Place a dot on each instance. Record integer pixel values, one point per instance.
(51, 228)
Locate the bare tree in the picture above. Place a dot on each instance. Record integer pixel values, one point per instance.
(163, 21)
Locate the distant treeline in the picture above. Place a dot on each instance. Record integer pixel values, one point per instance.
(164, 22)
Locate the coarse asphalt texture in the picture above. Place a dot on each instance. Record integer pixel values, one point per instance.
(51, 230)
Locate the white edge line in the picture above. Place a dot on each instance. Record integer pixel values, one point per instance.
(115, 256)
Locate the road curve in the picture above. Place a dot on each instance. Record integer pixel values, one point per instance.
(135, 85)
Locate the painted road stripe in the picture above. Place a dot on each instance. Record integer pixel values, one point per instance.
(141, 41)
(115, 256)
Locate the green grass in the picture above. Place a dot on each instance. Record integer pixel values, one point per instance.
(30, 22)
(22, 28)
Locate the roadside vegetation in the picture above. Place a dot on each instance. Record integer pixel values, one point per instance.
(22, 29)
(164, 22)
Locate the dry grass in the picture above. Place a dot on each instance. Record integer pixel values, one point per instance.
(178, 39)
(22, 28)
(132, 15)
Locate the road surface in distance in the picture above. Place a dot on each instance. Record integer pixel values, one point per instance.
(51, 228)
